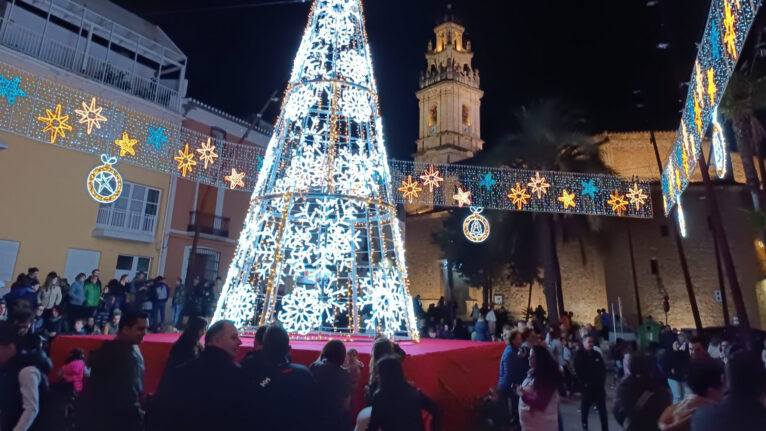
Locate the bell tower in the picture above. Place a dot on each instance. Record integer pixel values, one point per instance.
(449, 98)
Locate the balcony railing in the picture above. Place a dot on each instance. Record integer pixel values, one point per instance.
(116, 223)
(209, 224)
(23, 39)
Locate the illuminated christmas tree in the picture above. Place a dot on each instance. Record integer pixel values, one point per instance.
(321, 249)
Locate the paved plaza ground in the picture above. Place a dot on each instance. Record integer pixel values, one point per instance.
(571, 416)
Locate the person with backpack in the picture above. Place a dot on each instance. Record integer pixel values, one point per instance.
(641, 395)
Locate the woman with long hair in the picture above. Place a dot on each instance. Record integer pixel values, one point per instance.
(539, 398)
(188, 345)
(397, 405)
(49, 295)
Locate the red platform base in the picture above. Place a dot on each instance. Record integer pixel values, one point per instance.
(454, 373)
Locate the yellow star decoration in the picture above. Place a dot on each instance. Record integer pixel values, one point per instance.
(567, 199)
(685, 161)
(538, 185)
(55, 123)
(207, 153)
(678, 180)
(698, 115)
(126, 144)
(90, 115)
(730, 32)
(463, 197)
(519, 196)
(637, 196)
(431, 178)
(235, 179)
(185, 160)
(410, 189)
(711, 88)
(700, 81)
(618, 202)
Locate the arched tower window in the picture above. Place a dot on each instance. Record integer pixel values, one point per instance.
(466, 116)
(432, 115)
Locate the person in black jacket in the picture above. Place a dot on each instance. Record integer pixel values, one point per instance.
(187, 347)
(111, 400)
(397, 405)
(334, 387)
(590, 370)
(206, 393)
(254, 364)
(285, 394)
(742, 409)
(675, 364)
(641, 395)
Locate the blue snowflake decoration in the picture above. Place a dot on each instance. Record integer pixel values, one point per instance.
(715, 37)
(589, 188)
(157, 137)
(487, 182)
(260, 163)
(10, 89)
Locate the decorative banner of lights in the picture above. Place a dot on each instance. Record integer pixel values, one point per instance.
(727, 27)
(520, 190)
(476, 226)
(104, 182)
(321, 241)
(42, 113)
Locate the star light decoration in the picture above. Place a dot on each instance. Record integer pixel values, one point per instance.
(567, 199)
(519, 196)
(90, 115)
(431, 178)
(410, 189)
(730, 30)
(538, 185)
(462, 197)
(637, 196)
(487, 181)
(235, 179)
(156, 137)
(589, 188)
(207, 153)
(185, 161)
(618, 202)
(9, 88)
(55, 123)
(126, 145)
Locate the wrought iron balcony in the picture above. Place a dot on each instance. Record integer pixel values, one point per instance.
(209, 224)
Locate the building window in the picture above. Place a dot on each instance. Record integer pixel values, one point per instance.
(9, 250)
(466, 116)
(205, 263)
(432, 115)
(218, 134)
(132, 216)
(131, 265)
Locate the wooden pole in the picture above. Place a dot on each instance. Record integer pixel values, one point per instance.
(720, 232)
(680, 247)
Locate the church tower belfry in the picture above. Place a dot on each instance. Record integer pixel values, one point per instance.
(449, 98)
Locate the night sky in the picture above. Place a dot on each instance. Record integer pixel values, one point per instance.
(598, 55)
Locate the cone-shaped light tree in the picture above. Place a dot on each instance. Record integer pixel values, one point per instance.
(321, 249)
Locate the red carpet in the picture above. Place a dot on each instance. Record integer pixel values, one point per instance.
(455, 373)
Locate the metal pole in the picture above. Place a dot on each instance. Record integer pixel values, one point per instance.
(718, 230)
(680, 247)
(635, 278)
(721, 284)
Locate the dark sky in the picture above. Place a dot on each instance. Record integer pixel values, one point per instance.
(593, 54)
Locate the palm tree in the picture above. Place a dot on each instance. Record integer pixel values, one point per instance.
(744, 96)
(551, 138)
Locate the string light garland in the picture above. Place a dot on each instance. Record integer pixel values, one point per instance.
(728, 25)
(90, 115)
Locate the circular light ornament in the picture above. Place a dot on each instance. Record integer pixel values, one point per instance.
(476, 226)
(104, 182)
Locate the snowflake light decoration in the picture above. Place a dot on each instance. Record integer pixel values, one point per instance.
(207, 153)
(637, 196)
(538, 185)
(323, 202)
(519, 196)
(156, 137)
(90, 115)
(431, 178)
(55, 123)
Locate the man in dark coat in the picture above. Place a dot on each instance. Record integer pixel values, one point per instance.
(206, 393)
(514, 366)
(742, 409)
(112, 397)
(641, 396)
(590, 370)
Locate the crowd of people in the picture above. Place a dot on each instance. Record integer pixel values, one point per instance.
(88, 307)
(673, 383)
(205, 387)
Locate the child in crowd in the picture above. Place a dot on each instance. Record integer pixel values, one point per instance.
(75, 371)
(354, 366)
